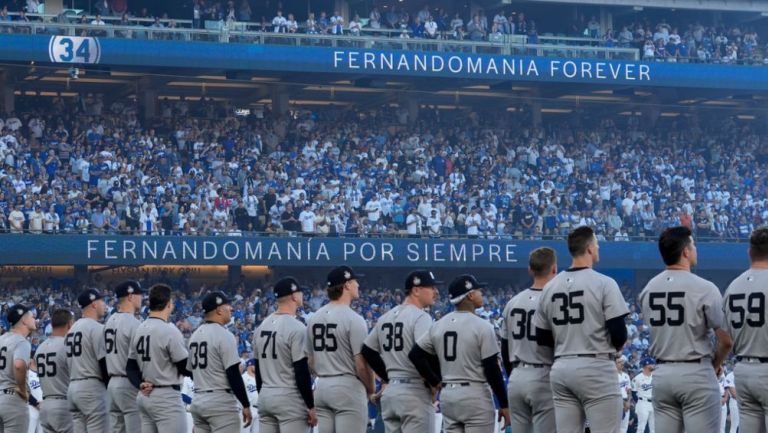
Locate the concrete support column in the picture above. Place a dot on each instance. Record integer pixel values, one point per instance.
(280, 100)
(606, 20)
(413, 109)
(81, 274)
(233, 274)
(536, 114)
(146, 91)
(7, 97)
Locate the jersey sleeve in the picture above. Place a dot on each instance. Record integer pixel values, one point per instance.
(541, 318)
(372, 340)
(713, 308)
(613, 301)
(503, 323)
(228, 347)
(176, 348)
(23, 351)
(488, 345)
(421, 326)
(425, 342)
(132, 348)
(99, 342)
(358, 330)
(298, 341)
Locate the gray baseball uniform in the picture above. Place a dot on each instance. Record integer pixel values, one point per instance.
(407, 402)
(575, 306)
(744, 305)
(461, 341)
(336, 335)
(682, 311)
(278, 342)
(14, 416)
(213, 349)
(118, 333)
(87, 394)
(157, 346)
(53, 371)
(530, 394)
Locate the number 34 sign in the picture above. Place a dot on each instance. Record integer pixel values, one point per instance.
(74, 49)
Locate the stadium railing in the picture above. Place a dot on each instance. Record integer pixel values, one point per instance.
(505, 46)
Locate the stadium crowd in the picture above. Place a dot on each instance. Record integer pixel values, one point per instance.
(682, 40)
(76, 165)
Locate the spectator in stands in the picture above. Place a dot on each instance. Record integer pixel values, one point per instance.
(311, 25)
(279, 23)
(430, 28)
(291, 25)
(374, 18)
(355, 26)
(323, 24)
(244, 12)
(337, 24)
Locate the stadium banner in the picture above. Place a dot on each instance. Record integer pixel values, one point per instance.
(46, 250)
(308, 59)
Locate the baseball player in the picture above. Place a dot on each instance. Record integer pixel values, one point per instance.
(249, 379)
(14, 356)
(53, 371)
(33, 381)
(187, 396)
(642, 385)
(406, 402)
(528, 364)
(156, 362)
(682, 311)
(733, 403)
(283, 380)
(625, 389)
(467, 354)
(336, 335)
(86, 356)
(724, 394)
(744, 304)
(215, 366)
(118, 334)
(581, 315)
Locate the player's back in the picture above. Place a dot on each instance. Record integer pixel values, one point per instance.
(278, 342)
(212, 349)
(52, 368)
(518, 329)
(336, 333)
(682, 309)
(395, 334)
(85, 347)
(744, 304)
(156, 347)
(576, 304)
(12, 346)
(118, 334)
(461, 341)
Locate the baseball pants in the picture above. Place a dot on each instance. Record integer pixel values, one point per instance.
(644, 410)
(733, 406)
(55, 416)
(342, 405)
(162, 412)
(216, 411)
(123, 411)
(406, 407)
(723, 416)
(592, 394)
(530, 400)
(467, 407)
(34, 420)
(282, 410)
(14, 416)
(753, 396)
(88, 402)
(686, 397)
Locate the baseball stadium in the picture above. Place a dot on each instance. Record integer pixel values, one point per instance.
(395, 216)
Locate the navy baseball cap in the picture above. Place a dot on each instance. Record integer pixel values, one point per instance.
(16, 312)
(88, 297)
(213, 300)
(287, 286)
(129, 287)
(341, 275)
(462, 285)
(421, 278)
(250, 362)
(647, 361)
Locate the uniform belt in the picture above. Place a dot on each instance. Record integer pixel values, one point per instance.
(117, 375)
(606, 356)
(645, 399)
(85, 378)
(682, 361)
(208, 391)
(9, 391)
(336, 375)
(405, 380)
(517, 364)
(175, 387)
(752, 359)
(455, 384)
(55, 397)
